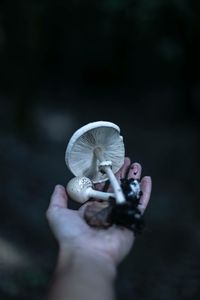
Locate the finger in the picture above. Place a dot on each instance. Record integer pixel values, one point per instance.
(146, 186)
(123, 170)
(59, 197)
(135, 171)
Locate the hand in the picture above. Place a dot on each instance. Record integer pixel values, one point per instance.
(73, 233)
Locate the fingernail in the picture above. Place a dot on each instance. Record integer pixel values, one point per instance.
(57, 187)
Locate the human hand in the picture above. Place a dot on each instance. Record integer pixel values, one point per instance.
(73, 233)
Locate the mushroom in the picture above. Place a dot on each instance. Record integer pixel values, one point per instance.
(96, 151)
(80, 189)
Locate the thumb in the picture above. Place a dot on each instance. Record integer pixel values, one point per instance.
(59, 197)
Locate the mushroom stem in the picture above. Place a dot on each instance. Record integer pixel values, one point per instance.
(113, 180)
(99, 195)
(116, 187)
(80, 189)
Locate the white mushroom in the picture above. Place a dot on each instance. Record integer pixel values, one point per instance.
(96, 151)
(80, 189)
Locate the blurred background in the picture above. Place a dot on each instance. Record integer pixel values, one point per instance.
(132, 62)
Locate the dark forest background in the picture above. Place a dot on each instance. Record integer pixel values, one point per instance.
(66, 63)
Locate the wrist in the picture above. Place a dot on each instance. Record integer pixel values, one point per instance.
(86, 259)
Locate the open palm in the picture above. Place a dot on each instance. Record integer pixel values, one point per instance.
(71, 230)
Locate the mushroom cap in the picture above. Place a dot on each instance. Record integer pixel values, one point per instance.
(80, 157)
(76, 187)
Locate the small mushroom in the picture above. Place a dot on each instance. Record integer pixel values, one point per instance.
(80, 189)
(96, 151)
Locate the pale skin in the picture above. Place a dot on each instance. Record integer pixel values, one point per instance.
(88, 257)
